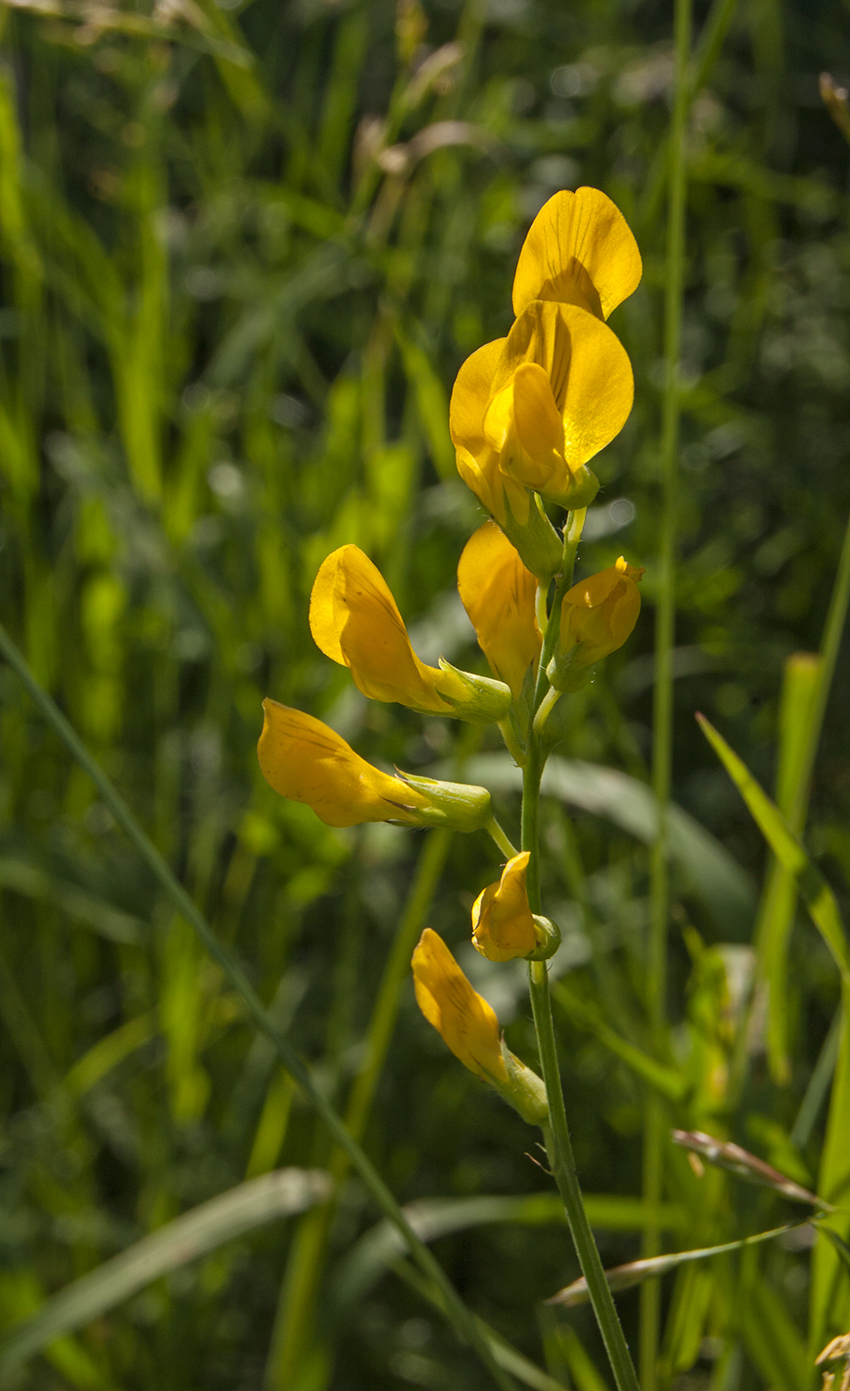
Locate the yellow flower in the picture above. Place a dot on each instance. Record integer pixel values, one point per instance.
(507, 501)
(533, 409)
(579, 250)
(597, 616)
(498, 593)
(502, 922)
(355, 621)
(464, 1020)
(561, 390)
(470, 1028)
(306, 761)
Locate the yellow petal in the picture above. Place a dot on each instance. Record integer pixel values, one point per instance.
(524, 428)
(538, 422)
(588, 369)
(470, 394)
(498, 593)
(502, 922)
(306, 761)
(579, 250)
(464, 1020)
(354, 621)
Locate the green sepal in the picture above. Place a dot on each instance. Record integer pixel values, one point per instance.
(456, 805)
(485, 700)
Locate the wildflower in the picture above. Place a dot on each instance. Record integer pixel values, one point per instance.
(459, 1014)
(502, 922)
(498, 593)
(597, 615)
(562, 389)
(579, 250)
(470, 1028)
(534, 408)
(355, 621)
(306, 761)
(503, 925)
(507, 500)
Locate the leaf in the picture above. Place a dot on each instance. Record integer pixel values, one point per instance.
(31, 879)
(814, 890)
(435, 1217)
(838, 1242)
(799, 711)
(188, 1237)
(726, 1155)
(771, 1337)
(724, 888)
(833, 1179)
(623, 1277)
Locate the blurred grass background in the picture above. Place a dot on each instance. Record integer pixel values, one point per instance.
(244, 250)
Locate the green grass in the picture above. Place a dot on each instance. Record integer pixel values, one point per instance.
(227, 340)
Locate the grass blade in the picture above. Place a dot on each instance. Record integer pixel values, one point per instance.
(816, 893)
(196, 1233)
(624, 1277)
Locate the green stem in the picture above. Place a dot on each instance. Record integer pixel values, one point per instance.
(461, 1318)
(500, 838)
(663, 698)
(510, 739)
(558, 1143)
(544, 709)
(563, 1166)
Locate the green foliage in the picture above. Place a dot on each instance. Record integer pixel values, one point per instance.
(243, 251)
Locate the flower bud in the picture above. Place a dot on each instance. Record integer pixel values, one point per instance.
(503, 925)
(597, 616)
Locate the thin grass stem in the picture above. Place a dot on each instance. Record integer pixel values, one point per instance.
(662, 748)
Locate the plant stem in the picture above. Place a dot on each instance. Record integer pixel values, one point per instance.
(461, 1318)
(500, 838)
(558, 1143)
(546, 705)
(563, 1166)
(663, 697)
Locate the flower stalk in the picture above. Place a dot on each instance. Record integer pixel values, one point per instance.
(556, 1133)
